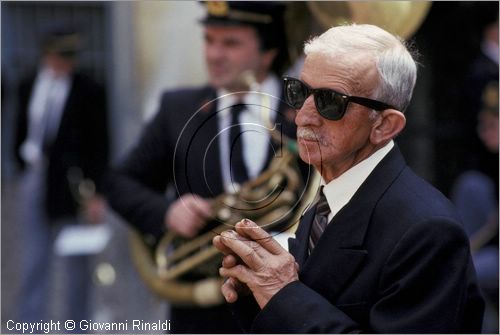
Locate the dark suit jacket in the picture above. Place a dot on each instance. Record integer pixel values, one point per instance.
(395, 259)
(179, 150)
(81, 141)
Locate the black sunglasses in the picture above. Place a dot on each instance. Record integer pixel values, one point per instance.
(330, 104)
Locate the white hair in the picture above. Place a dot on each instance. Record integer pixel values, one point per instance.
(396, 67)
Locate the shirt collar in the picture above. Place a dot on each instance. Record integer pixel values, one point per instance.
(340, 190)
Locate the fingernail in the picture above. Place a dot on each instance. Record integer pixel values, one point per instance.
(244, 222)
(227, 233)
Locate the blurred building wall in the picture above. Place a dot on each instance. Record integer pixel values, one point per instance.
(155, 45)
(169, 48)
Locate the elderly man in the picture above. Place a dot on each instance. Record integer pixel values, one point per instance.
(380, 250)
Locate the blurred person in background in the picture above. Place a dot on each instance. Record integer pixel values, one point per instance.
(475, 188)
(61, 135)
(475, 193)
(186, 148)
(483, 71)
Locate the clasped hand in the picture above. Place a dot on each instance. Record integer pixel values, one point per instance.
(253, 262)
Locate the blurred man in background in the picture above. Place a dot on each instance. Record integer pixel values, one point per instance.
(475, 193)
(205, 141)
(61, 140)
(475, 189)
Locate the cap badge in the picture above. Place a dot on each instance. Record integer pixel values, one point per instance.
(217, 8)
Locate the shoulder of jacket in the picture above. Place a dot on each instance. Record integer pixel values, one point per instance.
(190, 94)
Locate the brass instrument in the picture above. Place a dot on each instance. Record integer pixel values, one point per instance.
(277, 196)
(271, 200)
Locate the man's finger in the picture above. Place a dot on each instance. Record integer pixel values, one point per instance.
(251, 230)
(229, 290)
(217, 242)
(245, 250)
(229, 261)
(239, 272)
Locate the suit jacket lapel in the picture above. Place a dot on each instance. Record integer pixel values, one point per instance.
(197, 152)
(296, 246)
(340, 252)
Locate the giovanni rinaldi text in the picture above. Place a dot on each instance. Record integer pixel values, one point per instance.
(86, 325)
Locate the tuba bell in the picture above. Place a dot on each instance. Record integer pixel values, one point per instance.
(308, 18)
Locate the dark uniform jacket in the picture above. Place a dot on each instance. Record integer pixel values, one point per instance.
(178, 151)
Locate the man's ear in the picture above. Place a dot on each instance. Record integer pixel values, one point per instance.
(387, 126)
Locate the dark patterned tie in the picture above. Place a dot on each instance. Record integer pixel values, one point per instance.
(237, 164)
(320, 220)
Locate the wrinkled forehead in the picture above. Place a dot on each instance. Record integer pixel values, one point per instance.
(358, 71)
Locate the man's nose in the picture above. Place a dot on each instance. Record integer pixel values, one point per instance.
(308, 115)
(214, 52)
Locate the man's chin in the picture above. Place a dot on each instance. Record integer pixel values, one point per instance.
(308, 156)
(228, 83)
(221, 82)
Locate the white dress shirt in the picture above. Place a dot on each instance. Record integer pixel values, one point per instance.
(45, 110)
(255, 122)
(340, 190)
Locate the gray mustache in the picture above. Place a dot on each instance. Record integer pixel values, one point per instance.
(307, 134)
